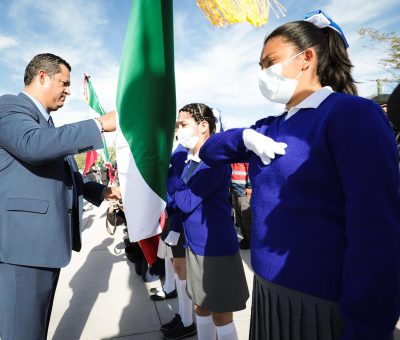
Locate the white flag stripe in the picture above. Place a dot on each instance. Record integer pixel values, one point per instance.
(137, 196)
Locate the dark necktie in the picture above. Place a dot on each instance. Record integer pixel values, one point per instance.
(50, 122)
(191, 168)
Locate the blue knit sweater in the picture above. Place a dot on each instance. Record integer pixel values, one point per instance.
(177, 164)
(326, 215)
(206, 212)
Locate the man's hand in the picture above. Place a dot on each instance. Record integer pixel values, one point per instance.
(263, 146)
(112, 193)
(108, 121)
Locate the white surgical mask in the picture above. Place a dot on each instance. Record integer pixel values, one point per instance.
(276, 87)
(186, 138)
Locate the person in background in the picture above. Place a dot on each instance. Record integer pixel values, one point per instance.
(382, 100)
(104, 174)
(212, 254)
(393, 108)
(393, 113)
(90, 174)
(241, 194)
(325, 202)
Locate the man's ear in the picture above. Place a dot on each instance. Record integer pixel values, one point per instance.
(41, 76)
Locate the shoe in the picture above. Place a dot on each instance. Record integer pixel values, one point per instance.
(244, 244)
(160, 296)
(172, 324)
(180, 332)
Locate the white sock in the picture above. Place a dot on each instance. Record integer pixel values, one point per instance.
(205, 328)
(227, 332)
(185, 304)
(169, 284)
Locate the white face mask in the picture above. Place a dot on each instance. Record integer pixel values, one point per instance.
(186, 138)
(276, 87)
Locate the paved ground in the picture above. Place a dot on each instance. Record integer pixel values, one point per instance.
(99, 295)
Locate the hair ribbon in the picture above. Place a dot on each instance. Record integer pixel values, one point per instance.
(322, 20)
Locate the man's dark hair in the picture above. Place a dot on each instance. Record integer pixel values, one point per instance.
(47, 62)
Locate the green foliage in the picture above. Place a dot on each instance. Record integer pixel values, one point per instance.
(80, 160)
(392, 41)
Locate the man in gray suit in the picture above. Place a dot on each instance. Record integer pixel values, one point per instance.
(41, 194)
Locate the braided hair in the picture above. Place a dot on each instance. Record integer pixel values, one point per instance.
(201, 112)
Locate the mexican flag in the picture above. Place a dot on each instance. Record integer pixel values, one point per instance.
(95, 110)
(146, 111)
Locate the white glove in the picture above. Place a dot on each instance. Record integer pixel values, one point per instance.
(172, 238)
(264, 147)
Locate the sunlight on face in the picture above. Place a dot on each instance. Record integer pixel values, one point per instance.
(277, 50)
(185, 120)
(57, 89)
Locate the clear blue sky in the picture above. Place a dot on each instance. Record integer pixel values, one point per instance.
(215, 66)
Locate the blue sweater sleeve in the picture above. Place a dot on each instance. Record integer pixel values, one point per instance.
(203, 183)
(178, 159)
(228, 147)
(224, 148)
(174, 214)
(365, 154)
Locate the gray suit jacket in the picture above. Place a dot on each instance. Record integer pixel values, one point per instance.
(40, 187)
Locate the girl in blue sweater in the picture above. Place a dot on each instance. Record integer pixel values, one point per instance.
(213, 258)
(325, 203)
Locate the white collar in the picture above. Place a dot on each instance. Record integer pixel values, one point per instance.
(311, 102)
(39, 105)
(192, 157)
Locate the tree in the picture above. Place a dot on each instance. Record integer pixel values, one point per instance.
(80, 160)
(392, 41)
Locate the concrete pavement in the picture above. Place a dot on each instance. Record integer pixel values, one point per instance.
(99, 295)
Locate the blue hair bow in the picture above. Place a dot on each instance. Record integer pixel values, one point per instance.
(322, 20)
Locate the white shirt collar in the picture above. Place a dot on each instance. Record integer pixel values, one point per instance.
(39, 105)
(192, 157)
(311, 102)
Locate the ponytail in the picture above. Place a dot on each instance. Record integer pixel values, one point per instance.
(335, 69)
(334, 66)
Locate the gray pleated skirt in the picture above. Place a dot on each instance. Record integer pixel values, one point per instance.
(279, 313)
(216, 283)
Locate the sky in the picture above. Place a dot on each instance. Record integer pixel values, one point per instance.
(216, 66)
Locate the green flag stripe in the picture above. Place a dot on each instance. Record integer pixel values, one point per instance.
(146, 90)
(93, 102)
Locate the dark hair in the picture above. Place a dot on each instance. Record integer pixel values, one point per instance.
(393, 107)
(381, 99)
(47, 62)
(334, 66)
(201, 112)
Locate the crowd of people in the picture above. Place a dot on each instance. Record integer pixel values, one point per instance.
(322, 180)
